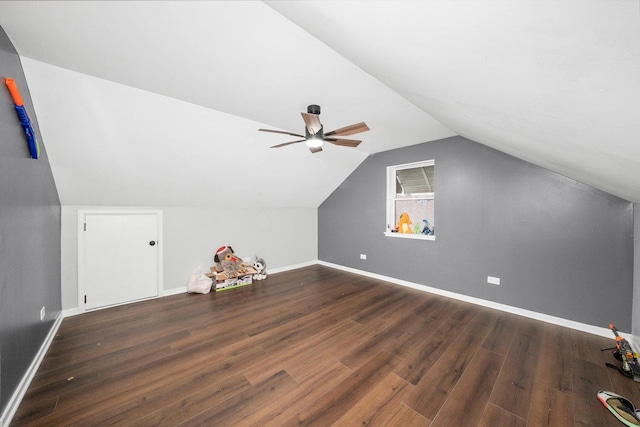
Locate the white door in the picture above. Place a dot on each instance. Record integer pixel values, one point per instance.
(120, 258)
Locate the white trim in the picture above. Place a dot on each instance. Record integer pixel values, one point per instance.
(174, 291)
(391, 197)
(71, 312)
(82, 215)
(23, 386)
(595, 330)
(183, 289)
(412, 165)
(291, 267)
(410, 236)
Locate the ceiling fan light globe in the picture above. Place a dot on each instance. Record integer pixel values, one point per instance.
(314, 142)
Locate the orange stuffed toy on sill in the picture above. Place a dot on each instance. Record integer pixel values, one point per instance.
(404, 224)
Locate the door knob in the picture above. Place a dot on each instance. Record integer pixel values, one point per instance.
(152, 243)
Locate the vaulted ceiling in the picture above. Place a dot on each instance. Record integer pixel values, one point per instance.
(158, 103)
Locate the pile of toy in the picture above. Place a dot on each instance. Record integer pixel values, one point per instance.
(619, 406)
(404, 226)
(230, 271)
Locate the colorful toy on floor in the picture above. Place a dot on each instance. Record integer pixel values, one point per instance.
(620, 407)
(261, 267)
(625, 354)
(34, 147)
(229, 263)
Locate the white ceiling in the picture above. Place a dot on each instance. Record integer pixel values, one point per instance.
(552, 82)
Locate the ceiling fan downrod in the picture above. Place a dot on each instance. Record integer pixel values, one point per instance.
(313, 109)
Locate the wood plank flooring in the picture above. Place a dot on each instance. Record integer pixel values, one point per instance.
(319, 346)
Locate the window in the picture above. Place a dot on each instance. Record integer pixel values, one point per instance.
(411, 200)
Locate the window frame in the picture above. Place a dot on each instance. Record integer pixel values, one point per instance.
(391, 199)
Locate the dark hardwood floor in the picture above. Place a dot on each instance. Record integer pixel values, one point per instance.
(319, 346)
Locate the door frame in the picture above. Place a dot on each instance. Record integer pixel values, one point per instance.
(82, 215)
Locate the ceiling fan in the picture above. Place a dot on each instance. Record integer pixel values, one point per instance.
(314, 132)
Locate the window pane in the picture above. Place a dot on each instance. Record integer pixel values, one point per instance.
(418, 211)
(411, 191)
(414, 182)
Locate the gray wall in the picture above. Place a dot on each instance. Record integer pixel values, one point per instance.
(559, 247)
(29, 237)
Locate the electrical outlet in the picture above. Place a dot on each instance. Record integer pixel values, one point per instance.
(42, 312)
(363, 256)
(493, 280)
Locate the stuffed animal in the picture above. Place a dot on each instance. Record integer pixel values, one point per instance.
(427, 228)
(261, 267)
(228, 263)
(404, 224)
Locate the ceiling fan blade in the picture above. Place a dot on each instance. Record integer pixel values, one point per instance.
(343, 142)
(286, 143)
(282, 132)
(315, 149)
(349, 130)
(312, 121)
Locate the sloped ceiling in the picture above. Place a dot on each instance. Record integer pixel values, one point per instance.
(158, 103)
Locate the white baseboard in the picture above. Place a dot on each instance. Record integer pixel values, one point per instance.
(183, 289)
(18, 394)
(595, 330)
(71, 312)
(291, 267)
(174, 291)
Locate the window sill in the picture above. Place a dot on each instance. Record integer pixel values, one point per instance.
(409, 236)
